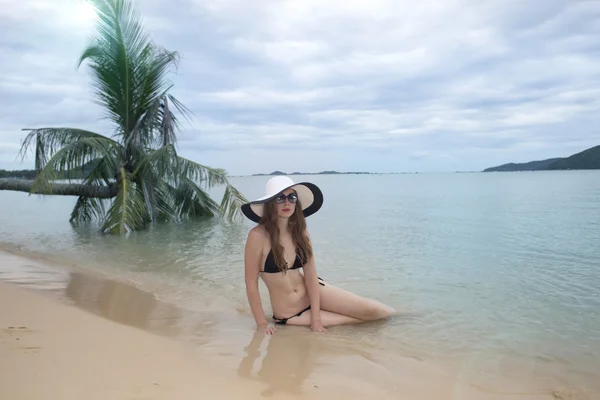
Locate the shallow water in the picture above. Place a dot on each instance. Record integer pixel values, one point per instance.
(499, 272)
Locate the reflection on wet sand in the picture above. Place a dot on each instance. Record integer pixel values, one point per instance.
(122, 303)
(286, 365)
(291, 358)
(128, 305)
(105, 296)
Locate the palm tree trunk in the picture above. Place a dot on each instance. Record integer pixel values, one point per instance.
(61, 189)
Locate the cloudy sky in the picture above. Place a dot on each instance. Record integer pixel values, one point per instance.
(353, 85)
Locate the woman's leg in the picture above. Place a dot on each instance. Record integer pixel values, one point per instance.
(340, 301)
(328, 318)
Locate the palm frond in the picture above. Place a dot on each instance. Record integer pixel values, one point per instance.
(170, 122)
(127, 212)
(76, 155)
(113, 57)
(101, 171)
(162, 162)
(151, 202)
(153, 125)
(192, 201)
(129, 74)
(87, 209)
(231, 203)
(143, 131)
(152, 171)
(166, 133)
(186, 112)
(49, 140)
(159, 198)
(201, 174)
(165, 205)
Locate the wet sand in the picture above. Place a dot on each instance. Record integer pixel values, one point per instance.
(72, 334)
(52, 351)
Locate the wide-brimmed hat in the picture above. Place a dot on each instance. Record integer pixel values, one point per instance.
(309, 194)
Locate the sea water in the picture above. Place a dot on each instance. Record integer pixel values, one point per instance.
(497, 275)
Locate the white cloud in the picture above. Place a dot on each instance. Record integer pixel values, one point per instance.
(380, 85)
(257, 97)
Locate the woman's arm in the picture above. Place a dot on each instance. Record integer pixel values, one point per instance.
(252, 256)
(311, 280)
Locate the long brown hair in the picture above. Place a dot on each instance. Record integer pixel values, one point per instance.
(297, 226)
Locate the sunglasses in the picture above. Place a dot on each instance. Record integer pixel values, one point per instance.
(292, 198)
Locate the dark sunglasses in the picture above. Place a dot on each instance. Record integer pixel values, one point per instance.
(292, 198)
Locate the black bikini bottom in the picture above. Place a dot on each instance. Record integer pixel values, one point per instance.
(283, 321)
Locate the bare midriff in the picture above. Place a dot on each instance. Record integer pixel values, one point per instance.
(287, 292)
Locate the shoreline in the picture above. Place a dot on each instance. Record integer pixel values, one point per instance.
(99, 338)
(115, 322)
(91, 324)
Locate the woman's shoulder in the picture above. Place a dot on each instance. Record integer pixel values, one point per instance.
(258, 234)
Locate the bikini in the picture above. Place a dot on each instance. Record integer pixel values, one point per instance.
(271, 268)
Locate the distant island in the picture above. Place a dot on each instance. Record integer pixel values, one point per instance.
(316, 173)
(31, 174)
(586, 159)
(20, 174)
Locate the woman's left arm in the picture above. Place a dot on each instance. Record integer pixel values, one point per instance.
(311, 280)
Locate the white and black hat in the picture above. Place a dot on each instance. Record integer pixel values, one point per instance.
(309, 194)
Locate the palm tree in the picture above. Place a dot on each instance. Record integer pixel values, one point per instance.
(137, 168)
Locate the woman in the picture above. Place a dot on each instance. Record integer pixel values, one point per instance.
(279, 250)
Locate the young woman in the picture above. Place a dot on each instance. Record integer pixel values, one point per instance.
(279, 250)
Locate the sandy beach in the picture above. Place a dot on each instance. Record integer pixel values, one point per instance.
(53, 351)
(98, 338)
(99, 344)
(50, 350)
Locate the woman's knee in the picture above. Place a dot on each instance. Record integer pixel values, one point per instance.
(375, 311)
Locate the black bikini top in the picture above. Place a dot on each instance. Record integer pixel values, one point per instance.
(271, 267)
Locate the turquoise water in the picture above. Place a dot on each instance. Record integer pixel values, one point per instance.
(500, 271)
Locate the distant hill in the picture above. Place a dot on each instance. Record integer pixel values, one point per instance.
(586, 159)
(528, 166)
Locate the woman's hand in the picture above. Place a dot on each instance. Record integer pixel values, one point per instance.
(317, 326)
(268, 329)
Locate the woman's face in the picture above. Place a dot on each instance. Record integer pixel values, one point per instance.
(285, 203)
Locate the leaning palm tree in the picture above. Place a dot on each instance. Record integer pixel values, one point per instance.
(135, 176)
